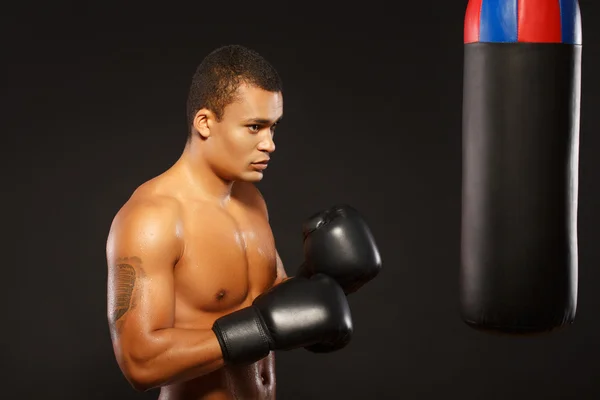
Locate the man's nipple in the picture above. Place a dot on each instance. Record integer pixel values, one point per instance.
(220, 294)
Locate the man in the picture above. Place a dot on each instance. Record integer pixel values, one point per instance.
(198, 298)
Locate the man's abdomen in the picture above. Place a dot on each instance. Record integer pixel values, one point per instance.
(252, 382)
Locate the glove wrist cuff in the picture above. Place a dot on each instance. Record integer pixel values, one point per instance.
(242, 338)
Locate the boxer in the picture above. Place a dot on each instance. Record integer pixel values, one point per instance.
(198, 297)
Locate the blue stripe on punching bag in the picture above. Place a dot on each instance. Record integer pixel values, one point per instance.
(570, 21)
(498, 21)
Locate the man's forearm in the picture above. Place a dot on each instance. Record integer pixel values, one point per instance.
(167, 356)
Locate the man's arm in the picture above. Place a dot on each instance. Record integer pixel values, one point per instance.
(142, 249)
(281, 274)
(262, 204)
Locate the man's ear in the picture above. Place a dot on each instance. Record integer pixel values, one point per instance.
(203, 121)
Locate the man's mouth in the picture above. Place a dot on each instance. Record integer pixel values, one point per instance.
(261, 165)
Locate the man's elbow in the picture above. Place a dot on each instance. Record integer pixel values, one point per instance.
(136, 369)
(141, 385)
(140, 378)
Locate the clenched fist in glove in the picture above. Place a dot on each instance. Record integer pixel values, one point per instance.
(298, 312)
(339, 243)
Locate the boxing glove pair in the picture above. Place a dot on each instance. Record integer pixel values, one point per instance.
(309, 310)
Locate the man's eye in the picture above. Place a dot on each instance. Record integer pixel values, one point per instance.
(254, 128)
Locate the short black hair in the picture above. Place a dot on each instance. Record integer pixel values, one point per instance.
(219, 75)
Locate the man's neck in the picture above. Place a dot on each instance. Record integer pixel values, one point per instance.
(202, 180)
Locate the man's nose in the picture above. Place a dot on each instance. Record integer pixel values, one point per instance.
(267, 144)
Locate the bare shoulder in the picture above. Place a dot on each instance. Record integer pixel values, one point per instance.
(249, 194)
(146, 222)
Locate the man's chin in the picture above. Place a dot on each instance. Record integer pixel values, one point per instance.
(253, 176)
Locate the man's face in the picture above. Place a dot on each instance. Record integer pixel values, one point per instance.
(241, 143)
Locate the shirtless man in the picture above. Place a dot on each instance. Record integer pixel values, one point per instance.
(198, 298)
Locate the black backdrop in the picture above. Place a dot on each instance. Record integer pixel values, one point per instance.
(94, 104)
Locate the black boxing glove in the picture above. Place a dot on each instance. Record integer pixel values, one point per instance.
(339, 243)
(296, 313)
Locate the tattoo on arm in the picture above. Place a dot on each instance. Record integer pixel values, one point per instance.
(125, 284)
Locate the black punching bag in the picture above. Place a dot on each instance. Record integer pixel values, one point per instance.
(522, 65)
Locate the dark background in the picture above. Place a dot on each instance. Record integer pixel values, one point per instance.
(94, 104)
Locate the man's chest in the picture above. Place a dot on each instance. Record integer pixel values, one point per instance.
(229, 256)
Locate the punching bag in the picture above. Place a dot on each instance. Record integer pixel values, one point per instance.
(521, 103)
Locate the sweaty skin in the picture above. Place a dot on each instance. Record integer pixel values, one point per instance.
(179, 265)
(188, 248)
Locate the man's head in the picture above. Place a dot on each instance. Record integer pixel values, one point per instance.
(234, 103)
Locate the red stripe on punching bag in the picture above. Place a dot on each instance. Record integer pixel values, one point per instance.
(539, 21)
(472, 22)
